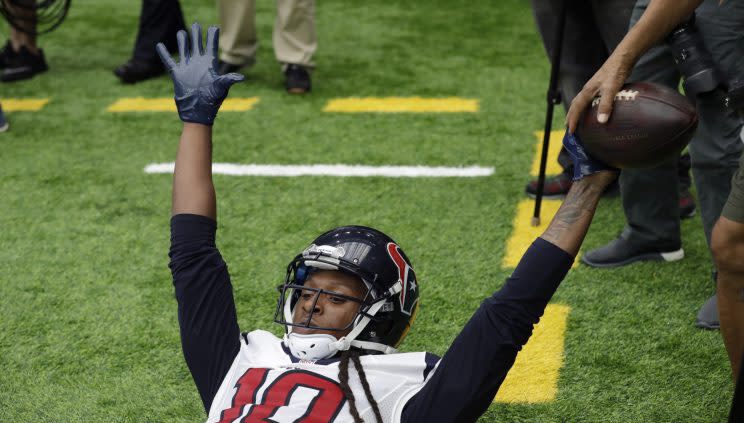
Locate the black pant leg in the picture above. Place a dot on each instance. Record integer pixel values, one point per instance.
(737, 405)
(160, 20)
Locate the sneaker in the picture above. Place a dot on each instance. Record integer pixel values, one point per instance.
(225, 68)
(135, 71)
(3, 123)
(22, 64)
(707, 317)
(620, 252)
(297, 79)
(6, 54)
(555, 187)
(686, 205)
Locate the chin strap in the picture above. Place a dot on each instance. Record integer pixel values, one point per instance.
(344, 344)
(349, 340)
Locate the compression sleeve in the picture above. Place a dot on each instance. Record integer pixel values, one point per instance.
(471, 371)
(210, 336)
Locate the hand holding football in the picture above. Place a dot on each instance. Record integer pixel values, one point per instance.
(649, 123)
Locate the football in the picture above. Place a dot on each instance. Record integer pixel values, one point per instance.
(649, 123)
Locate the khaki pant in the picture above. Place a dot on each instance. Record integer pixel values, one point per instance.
(294, 31)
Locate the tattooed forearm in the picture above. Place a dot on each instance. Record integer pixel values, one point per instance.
(571, 222)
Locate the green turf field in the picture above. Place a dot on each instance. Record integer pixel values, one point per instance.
(88, 328)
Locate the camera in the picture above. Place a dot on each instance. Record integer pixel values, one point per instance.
(693, 60)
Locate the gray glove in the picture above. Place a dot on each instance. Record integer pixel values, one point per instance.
(199, 89)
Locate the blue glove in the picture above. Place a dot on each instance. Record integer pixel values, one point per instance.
(584, 164)
(199, 89)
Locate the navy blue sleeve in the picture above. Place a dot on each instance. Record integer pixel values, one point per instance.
(473, 368)
(210, 336)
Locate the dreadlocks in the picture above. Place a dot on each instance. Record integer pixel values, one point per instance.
(343, 377)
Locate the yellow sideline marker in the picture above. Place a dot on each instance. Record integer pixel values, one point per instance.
(552, 167)
(141, 104)
(534, 376)
(402, 105)
(523, 233)
(23, 104)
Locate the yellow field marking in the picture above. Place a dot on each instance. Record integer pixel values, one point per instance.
(534, 376)
(402, 105)
(523, 233)
(141, 104)
(23, 104)
(552, 167)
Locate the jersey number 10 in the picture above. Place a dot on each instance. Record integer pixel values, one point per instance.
(323, 407)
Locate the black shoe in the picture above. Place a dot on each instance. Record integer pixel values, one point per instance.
(557, 186)
(686, 205)
(137, 71)
(224, 67)
(707, 317)
(6, 54)
(297, 79)
(22, 64)
(620, 252)
(3, 123)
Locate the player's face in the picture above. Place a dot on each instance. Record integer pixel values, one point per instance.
(329, 311)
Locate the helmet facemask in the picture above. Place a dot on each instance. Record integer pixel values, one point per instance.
(329, 258)
(387, 310)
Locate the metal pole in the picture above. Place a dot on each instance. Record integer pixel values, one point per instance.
(553, 98)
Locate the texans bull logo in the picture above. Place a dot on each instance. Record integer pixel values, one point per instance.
(407, 278)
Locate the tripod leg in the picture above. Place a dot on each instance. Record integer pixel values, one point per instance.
(553, 98)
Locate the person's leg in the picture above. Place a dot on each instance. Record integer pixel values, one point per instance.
(159, 21)
(716, 149)
(576, 67)
(294, 36)
(3, 122)
(727, 245)
(238, 40)
(650, 196)
(22, 58)
(19, 39)
(295, 42)
(728, 250)
(25, 35)
(736, 415)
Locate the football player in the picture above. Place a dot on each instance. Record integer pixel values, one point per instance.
(347, 302)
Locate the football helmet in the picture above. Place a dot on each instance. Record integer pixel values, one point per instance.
(386, 312)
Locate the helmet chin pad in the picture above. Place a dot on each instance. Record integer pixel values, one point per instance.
(314, 346)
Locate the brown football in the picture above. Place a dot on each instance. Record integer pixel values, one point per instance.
(648, 124)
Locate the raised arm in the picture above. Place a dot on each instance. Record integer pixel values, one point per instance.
(206, 308)
(471, 372)
(657, 21)
(199, 92)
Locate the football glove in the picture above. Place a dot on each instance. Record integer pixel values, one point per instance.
(584, 164)
(199, 89)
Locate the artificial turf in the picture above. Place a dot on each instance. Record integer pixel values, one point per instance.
(88, 328)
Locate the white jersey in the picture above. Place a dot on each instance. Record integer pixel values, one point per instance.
(265, 383)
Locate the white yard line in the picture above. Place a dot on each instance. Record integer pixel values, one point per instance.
(236, 169)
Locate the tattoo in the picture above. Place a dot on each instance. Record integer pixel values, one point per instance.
(580, 203)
